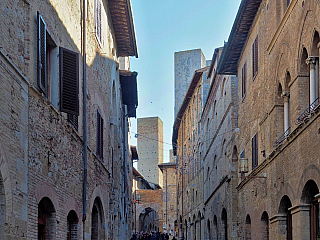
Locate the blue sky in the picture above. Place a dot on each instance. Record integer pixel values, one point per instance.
(162, 28)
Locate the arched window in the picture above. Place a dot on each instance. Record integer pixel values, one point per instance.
(247, 228)
(72, 226)
(46, 220)
(265, 226)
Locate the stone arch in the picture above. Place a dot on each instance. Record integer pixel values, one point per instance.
(309, 197)
(72, 205)
(72, 225)
(46, 190)
(265, 226)
(312, 172)
(285, 227)
(46, 219)
(309, 25)
(309, 191)
(97, 220)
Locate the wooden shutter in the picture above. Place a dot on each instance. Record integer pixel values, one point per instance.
(69, 81)
(253, 54)
(42, 68)
(99, 136)
(244, 80)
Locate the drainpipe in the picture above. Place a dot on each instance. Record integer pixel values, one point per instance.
(84, 97)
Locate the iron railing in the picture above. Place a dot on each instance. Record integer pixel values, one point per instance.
(282, 138)
(308, 112)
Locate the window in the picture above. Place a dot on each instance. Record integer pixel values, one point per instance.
(255, 151)
(99, 136)
(69, 81)
(255, 57)
(288, 2)
(244, 80)
(98, 21)
(47, 63)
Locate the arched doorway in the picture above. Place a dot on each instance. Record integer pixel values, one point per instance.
(2, 208)
(215, 226)
(265, 226)
(285, 204)
(309, 192)
(148, 219)
(46, 219)
(72, 226)
(208, 229)
(224, 221)
(97, 229)
(247, 228)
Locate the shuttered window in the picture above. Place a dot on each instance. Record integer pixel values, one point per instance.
(255, 57)
(98, 21)
(69, 81)
(244, 80)
(42, 68)
(99, 136)
(255, 151)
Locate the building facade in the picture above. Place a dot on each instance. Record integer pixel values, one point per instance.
(65, 155)
(219, 128)
(150, 148)
(188, 149)
(169, 197)
(273, 48)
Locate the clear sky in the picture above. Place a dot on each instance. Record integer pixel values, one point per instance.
(162, 28)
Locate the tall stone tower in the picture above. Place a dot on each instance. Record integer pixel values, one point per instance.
(150, 148)
(185, 63)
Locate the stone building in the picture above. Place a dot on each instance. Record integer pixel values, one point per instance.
(187, 147)
(169, 197)
(219, 128)
(65, 103)
(185, 63)
(273, 48)
(150, 148)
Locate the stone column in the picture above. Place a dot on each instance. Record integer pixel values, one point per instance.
(312, 62)
(278, 227)
(300, 222)
(286, 97)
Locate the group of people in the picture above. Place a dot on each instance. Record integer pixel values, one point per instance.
(151, 236)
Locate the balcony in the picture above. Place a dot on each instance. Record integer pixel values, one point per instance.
(282, 138)
(309, 112)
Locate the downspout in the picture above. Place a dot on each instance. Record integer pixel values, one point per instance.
(84, 108)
